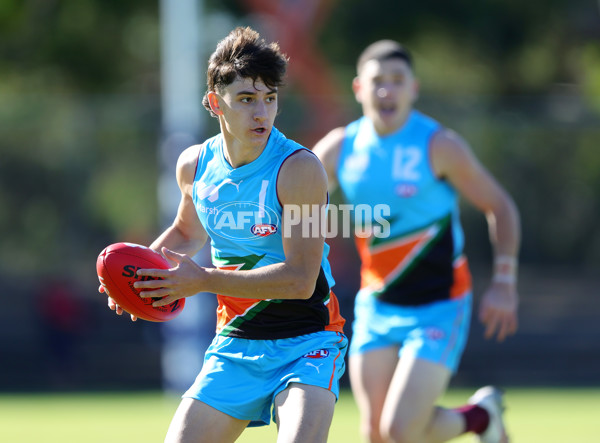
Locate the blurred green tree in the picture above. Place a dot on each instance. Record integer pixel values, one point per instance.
(80, 114)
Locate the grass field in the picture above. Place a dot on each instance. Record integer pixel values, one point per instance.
(533, 416)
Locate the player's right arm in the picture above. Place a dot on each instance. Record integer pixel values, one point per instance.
(328, 150)
(186, 235)
(453, 160)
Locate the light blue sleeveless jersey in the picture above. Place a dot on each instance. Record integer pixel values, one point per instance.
(398, 167)
(241, 212)
(424, 227)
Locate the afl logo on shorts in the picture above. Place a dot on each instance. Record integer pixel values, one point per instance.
(434, 333)
(263, 229)
(320, 353)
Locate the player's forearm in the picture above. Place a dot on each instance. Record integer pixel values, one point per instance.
(505, 236)
(505, 229)
(277, 281)
(175, 240)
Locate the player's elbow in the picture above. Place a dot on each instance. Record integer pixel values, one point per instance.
(303, 288)
(505, 212)
(303, 291)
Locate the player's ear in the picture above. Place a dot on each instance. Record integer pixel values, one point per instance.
(213, 102)
(356, 88)
(416, 89)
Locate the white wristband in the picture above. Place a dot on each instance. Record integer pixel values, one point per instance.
(504, 278)
(505, 260)
(505, 264)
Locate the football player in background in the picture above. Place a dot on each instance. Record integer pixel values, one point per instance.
(413, 309)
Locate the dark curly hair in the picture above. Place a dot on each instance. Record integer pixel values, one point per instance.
(243, 53)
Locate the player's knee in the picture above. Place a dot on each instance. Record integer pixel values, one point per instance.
(370, 431)
(397, 432)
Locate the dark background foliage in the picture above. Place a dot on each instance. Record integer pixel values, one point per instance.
(80, 126)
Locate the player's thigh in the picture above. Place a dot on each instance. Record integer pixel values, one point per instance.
(371, 373)
(416, 386)
(304, 413)
(197, 422)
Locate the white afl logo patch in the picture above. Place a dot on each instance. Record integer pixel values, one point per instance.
(263, 229)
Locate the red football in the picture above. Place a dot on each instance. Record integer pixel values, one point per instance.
(117, 265)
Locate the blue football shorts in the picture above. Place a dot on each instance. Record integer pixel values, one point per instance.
(242, 377)
(435, 332)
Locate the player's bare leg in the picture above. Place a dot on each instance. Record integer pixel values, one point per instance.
(197, 422)
(409, 413)
(370, 376)
(304, 413)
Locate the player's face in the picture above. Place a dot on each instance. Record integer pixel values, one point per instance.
(248, 109)
(386, 90)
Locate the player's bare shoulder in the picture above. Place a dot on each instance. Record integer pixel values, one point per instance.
(301, 176)
(449, 152)
(186, 165)
(330, 144)
(328, 150)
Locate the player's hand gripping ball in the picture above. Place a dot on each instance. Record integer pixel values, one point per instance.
(117, 267)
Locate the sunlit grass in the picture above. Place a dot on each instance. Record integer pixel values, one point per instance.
(533, 416)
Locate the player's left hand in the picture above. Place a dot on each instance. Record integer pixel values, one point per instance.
(181, 281)
(112, 305)
(498, 310)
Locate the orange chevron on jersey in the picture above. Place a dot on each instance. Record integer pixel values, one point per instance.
(462, 278)
(232, 309)
(384, 263)
(278, 318)
(336, 321)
